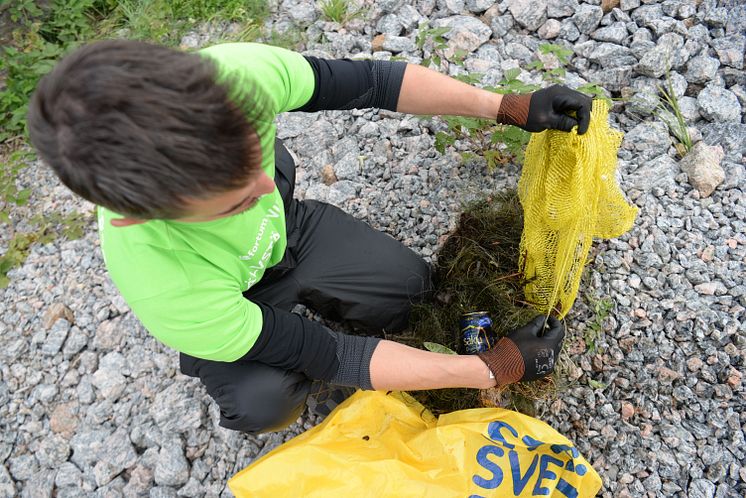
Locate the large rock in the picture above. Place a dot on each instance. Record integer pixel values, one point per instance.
(519, 52)
(466, 32)
(63, 419)
(501, 25)
(701, 69)
(454, 6)
(561, 8)
(40, 485)
(647, 14)
(529, 13)
(477, 6)
(731, 136)
(669, 53)
(612, 79)
(109, 378)
(616, 33)
(550, 29)
(688, 108)
(388, 6)
(56, 337)
(55, 312)
(658, 172)
(737, 24)
(701, 488)
(86, 445)
(716, 17)
(389, 24)
(115, 455)
(662, 26)
(730, 50)
(109, 335)
(398, 44)
(175, 411)
(52, 451)
(7, 487)
(302, 13)
(341, 192)
(649, 139)
(67, 475)
(172, 468)
(569, 31)
(642, 42)
(702, 166)
(717, 104)
(76, 341)
(609, 5)
(609, 55)
(587, 18)
(410, 17)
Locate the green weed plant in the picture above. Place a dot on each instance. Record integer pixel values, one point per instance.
(432, 40)
(45, 229)
(601, 308)
(340, 11)
(668, 110)
(42, 32)
(476, 270)
(496, 144)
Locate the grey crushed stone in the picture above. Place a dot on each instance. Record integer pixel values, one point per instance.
(669, 417)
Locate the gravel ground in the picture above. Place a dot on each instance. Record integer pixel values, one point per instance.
(90, 405)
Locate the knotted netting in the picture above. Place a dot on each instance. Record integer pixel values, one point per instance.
(569, 193)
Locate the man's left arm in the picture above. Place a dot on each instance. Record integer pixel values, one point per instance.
(409, 88)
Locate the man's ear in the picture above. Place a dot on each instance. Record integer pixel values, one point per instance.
(125, 222)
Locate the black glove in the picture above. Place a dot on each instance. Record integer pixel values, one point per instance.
(548, 108)
(528, 353)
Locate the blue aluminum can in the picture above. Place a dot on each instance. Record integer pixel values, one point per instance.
(476, 332)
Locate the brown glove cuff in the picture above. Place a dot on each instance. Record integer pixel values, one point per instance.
(505, 362)
(514, 109)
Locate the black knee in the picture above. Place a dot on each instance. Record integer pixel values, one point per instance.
(268, 400)
(256, 422)
(254, 397)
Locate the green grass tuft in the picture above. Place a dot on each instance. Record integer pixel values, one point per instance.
(477, 271)
(339, 11)
(668, 111)
(36, 35)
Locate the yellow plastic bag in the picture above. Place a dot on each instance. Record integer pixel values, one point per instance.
(388, 445)
(569, 194)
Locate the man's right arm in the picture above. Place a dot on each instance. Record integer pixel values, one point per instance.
(293, 342)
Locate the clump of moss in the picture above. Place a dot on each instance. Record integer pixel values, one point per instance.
(477, 270)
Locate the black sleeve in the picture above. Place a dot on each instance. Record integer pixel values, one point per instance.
(346, 84)
(292, 342)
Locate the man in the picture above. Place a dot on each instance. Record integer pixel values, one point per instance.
(202, 236)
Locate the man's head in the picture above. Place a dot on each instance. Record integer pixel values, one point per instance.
(147, 132)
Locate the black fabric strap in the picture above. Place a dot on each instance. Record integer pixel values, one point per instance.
(346, 84)
(292, 342)
(354, 353)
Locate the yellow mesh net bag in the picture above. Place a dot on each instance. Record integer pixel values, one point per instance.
(569, 194)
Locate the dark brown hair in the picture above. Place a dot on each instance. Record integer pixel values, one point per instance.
(137, 128)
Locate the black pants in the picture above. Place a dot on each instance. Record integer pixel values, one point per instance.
(334, 264)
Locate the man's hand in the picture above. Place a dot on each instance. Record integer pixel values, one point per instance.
(528, 353)
(548, 108)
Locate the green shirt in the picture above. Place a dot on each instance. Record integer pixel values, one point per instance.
(184, 280)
